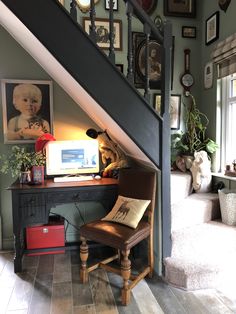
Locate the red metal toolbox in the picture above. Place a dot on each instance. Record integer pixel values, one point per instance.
(46, 236)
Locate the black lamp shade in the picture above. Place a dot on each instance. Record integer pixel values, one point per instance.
(92, 133)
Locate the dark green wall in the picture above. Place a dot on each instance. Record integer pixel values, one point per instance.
(70, 122)
(227, 28)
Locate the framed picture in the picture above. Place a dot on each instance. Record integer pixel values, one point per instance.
(182, 8)
(155, 48)
(37, 173)
(157, 102)
(189, 32)
(175, 109)
(148, 5)
(208, 75)
(120, 67)
(212, 28)
(27, 110)
(102, 32)
(115, 5)
(155, 52)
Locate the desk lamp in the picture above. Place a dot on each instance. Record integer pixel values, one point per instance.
(112, 155)
(94, 134)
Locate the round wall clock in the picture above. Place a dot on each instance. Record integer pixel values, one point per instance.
(187, 79)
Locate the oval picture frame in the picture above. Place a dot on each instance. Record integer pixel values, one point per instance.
(154, 62)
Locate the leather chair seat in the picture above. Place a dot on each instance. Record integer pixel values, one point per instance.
(114, 234)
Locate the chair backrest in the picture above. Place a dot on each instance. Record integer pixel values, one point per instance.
(140, 184)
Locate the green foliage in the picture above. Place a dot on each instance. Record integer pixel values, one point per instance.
(194, 137)
(20, 159)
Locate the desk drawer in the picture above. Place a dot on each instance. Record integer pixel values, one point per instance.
(32, 208)
(76, 196)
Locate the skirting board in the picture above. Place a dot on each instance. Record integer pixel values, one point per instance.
(7, 244)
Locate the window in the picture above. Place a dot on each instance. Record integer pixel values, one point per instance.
(227, 122)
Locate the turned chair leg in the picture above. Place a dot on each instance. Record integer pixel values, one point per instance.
(84, 258)
(150, 256)
(125, 273)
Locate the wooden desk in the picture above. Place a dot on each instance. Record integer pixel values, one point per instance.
(31, 204)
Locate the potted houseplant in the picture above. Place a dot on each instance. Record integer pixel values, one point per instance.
(194, 138)
(20, 162)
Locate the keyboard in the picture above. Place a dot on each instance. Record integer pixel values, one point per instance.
(72, 178)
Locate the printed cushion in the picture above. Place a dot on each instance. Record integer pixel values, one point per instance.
(127, 211)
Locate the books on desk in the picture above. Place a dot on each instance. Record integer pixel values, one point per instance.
(72, 178)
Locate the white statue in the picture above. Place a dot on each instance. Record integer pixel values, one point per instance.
(201, 172)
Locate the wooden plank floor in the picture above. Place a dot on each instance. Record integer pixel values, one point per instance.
(50, 284)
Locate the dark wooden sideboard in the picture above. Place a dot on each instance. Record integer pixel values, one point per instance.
(31, 204)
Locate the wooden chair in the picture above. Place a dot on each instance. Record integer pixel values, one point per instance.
(134, 183)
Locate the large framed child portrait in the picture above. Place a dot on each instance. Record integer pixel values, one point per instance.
(27, 110)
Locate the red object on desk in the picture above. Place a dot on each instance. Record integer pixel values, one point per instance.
(42, 141)
(37, 173)
(46, 236)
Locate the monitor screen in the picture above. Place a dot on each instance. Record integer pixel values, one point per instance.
(72, 157)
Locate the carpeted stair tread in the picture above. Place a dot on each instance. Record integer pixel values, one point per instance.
(181, 185)
(196, 209)
(202, 256)
(204, 242)
(190, 275)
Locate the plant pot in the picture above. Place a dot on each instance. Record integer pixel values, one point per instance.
(188, 161)
(37, 173)
(25, 177)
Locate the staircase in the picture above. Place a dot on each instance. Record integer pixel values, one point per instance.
(203, 248)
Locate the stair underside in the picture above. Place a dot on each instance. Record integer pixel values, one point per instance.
(203, 256)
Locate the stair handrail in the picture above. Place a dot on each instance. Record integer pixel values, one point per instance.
(150, 30)
(145, 19)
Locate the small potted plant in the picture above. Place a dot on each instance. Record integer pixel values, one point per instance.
(20, 162)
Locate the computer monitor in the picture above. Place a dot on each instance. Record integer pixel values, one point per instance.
(72, 157)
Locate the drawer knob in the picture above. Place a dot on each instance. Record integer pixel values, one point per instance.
(45, 230)
(76, 196)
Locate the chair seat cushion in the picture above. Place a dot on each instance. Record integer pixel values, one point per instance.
(114, 234)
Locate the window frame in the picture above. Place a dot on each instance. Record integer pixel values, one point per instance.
(224, 123)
